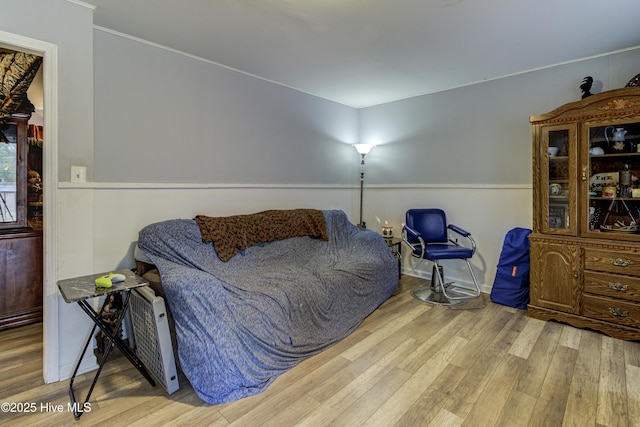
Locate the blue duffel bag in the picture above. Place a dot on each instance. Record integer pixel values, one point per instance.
(511, 285)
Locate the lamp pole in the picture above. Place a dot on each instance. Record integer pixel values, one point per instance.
(363, 150)
(362, 224)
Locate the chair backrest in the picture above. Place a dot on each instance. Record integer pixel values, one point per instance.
(430, 223)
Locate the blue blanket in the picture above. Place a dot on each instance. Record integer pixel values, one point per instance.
(242, 323)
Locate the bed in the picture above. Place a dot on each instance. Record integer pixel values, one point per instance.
(240, 321)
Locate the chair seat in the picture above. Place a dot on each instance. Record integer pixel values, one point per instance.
(445, 251)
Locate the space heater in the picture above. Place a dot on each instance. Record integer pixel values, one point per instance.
(150, 337)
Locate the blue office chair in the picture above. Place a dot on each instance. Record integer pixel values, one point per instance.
(427, 234)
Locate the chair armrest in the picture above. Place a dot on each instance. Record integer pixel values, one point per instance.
(463, 233)
(459, 230)
(415, 247)
(411, 231)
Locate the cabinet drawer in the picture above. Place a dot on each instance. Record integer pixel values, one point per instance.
(611, 310)
(612, 261)
(612, 285)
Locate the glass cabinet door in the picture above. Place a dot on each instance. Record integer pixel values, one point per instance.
(611, 179)
(558, 179)
(13, 175)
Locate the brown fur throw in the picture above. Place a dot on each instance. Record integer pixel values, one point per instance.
(233, 234)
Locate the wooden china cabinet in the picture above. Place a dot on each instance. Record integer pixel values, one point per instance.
(585, 245)
(20, 244)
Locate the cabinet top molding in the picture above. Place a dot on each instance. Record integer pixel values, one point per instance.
(612, 103)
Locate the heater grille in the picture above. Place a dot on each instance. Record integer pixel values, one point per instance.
(151, 337)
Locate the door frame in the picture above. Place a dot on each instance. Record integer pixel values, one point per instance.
(49, 52)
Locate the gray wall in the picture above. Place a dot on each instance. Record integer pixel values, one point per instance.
(164, 117)
(71, 28)
(478, 134)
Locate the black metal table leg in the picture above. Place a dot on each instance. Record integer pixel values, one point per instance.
(114, 339)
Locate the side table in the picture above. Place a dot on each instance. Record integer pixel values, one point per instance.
(395, 246)
(81, 289)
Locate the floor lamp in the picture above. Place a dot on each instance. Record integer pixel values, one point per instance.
(363, 150)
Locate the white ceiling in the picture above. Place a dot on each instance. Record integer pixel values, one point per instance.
(366, 52)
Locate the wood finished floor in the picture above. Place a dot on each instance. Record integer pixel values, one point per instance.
(409, 364)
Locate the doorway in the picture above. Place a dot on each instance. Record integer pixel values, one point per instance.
(21, 188)
(49, 53)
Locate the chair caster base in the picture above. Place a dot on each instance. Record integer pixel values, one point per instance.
(426, 294)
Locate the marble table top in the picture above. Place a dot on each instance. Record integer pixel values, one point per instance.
(79, 288)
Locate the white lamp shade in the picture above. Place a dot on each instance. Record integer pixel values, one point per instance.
(363, 148)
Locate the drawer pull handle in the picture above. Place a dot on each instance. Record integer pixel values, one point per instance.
(618, 287)
(619, 262)
(618, 312)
